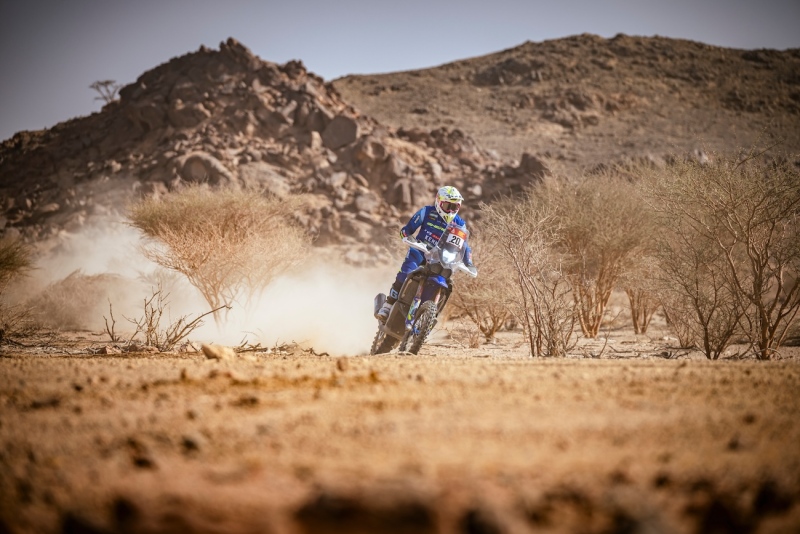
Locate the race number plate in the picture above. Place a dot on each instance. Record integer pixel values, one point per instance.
(456, 238)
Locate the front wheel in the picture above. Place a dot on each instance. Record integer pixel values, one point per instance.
(423, 324)
(404, 341)
(382, 343)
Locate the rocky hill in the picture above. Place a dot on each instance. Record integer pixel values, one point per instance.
(228, 118)
(585, 100)
(368, 149)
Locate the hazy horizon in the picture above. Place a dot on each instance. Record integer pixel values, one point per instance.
(51, 53)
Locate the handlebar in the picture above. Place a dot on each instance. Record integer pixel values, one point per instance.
(469, 269)
(423, 247)
(412, 242)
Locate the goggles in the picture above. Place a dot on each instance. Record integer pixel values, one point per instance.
(449, 207)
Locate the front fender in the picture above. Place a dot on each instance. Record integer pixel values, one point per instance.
(439, 280)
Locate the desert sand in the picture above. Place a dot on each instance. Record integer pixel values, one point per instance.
(627, 434)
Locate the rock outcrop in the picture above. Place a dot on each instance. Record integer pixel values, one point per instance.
(226, 118)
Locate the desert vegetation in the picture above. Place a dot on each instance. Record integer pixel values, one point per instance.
(715, 245)
(228, 243)
(107, 90)
(484, 300)
(16, 258)
(600, 226)
(153, 328)
(541, 301)
(730, 248)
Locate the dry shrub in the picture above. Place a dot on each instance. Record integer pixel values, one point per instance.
(465, 335)
(152, 326)
(736, 224)
(16, 259)
(637, 282)
(524, 231)
(17, 320)
(230, 244)
(484, 300)
(601, 225)
(76, 302)
(700, 306)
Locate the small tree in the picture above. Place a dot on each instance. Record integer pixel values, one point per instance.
(601, 224)
(637, 282)
(693, 287)
(106, 89)
(228, 243)
(542, 301)
(750, 214)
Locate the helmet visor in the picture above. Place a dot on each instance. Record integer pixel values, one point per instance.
(449, 207)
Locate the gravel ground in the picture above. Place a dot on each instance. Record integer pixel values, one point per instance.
(626, 435)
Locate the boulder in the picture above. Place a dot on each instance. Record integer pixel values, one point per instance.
(201, 167)
(146, 117)
(315, 142)
(318, 119)
(263, 175)
(533, 166)
(360, 230)
(182, 115)
(367, 201)
(420, 190)
(341, 131)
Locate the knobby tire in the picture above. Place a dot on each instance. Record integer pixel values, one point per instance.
(382, 343)
(426, 316)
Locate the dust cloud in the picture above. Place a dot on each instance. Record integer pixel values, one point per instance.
(103, 263)
(322, 305)
(327, 307)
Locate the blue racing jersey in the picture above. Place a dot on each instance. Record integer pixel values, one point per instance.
(431, 226)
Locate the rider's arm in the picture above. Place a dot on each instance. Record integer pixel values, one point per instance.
(413, 224)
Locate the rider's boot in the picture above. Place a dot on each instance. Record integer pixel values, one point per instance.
(383, 313)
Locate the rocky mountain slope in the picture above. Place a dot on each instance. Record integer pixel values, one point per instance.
(368, 149)
(228, 118)
(585, 100)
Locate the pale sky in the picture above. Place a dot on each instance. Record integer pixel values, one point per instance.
(51, 51)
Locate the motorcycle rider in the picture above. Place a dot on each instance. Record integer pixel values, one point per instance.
(431, 222)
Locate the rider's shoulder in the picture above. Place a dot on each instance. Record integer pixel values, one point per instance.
(428, 209)
(460, 221)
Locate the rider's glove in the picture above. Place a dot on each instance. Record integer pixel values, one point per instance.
(403, 233)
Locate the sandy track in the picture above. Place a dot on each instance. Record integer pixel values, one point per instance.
(453, 440)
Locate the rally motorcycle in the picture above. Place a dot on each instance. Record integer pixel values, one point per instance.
(424, 293)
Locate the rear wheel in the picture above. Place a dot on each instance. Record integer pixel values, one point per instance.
(423, 324)
(382, 343)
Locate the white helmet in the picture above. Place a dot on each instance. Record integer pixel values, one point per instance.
(448, 201)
